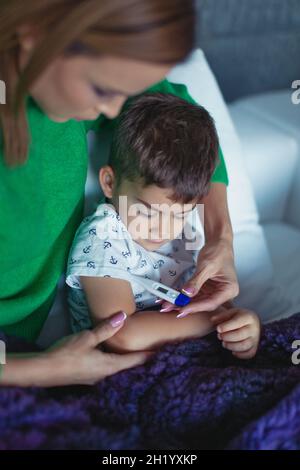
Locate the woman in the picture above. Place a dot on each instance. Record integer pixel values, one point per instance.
(66, 62)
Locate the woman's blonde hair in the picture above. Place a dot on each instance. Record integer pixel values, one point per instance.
(159, 31)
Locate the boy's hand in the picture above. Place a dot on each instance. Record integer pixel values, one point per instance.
(239, 330)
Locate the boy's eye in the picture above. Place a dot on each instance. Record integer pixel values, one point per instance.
(148, 214)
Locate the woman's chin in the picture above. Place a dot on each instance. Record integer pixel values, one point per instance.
(58, 118)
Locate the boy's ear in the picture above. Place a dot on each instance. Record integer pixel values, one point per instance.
(107, 180)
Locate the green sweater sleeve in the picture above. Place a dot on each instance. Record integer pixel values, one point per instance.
(220, 174)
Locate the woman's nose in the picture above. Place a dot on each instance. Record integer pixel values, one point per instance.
(112, 108)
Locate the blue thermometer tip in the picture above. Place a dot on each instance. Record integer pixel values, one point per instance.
(182, 300)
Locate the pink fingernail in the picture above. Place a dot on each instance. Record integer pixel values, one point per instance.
(157, 301)
(118, 319)
(189, 290)
(183, 314)
(167, 309)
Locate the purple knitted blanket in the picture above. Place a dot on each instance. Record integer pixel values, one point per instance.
(193, 395)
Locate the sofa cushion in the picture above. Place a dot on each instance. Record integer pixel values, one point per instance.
(270, 155)
(268, 126)
(284, 246)
(275, 110)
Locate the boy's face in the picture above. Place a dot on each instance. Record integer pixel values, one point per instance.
(150, 216)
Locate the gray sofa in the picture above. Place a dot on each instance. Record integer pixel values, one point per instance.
(252, 46)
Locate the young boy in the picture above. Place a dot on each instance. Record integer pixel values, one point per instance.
(162, 159)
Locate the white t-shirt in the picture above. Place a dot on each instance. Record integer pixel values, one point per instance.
(103, 247)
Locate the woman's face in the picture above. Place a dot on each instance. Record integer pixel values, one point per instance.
(82, 87)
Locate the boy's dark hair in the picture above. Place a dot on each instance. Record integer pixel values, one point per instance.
(167, 142)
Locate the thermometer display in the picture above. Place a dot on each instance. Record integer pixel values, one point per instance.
(162, 289)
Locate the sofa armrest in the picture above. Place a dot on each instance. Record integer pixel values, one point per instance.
(270, 151)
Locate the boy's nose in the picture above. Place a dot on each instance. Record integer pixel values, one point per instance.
(160, 233)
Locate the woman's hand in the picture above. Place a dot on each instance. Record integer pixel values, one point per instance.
(239, 330)
(215, 281)
(84, 363)
(74, 360)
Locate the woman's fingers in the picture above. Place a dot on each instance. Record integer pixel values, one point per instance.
(107, 329)
(219, 297)
(215, 281)
(193, 286)
(168, 307)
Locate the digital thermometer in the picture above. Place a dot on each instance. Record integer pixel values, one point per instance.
(163, 292)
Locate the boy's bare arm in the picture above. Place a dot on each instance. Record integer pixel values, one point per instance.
(148, 330)
(143, 330)
(106, 296)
